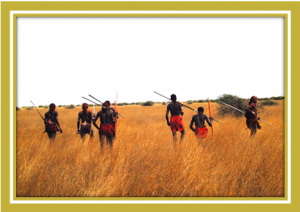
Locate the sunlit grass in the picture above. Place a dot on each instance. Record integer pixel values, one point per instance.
(144, 161)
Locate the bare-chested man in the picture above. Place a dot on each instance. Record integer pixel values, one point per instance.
(107, 127)
(199, 120)
(85, 116)
(51, 122)
(176, 120)
(251, 115)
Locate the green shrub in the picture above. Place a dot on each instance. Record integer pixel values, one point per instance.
(268, 103)
(120, 104)
(59, 105)
(189, 102)
(163, 103)
(276, 98)
(148, 103)
(234, 101)
(29, 108)
(70, 107)
(41, 105)
(46, 106)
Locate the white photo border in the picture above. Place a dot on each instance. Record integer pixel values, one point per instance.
(12, 85)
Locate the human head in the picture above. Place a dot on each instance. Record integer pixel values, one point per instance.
(173, 97)
(200, 109)
(52, 107)
(106, 104)
(253, 99)
(85, 106)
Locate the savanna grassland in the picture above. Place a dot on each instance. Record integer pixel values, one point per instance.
(145, 163)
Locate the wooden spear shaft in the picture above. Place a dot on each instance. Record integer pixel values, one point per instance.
(212, 129)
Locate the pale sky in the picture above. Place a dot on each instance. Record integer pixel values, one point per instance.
(61, 59)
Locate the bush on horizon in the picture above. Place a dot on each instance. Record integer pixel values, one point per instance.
(70, 107)
(268, 103)
(148, 103)
(232, 100)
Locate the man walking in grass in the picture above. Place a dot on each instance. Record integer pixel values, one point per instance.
(107, 126)
(251, 115)
(176, 118)
(199, 120)
(85, 116)
(51, 122)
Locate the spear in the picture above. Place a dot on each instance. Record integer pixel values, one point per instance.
(116, 110)
(185, 106)
(243, 112)
(212, 129)
(42, 116)
(102, 103)
(98, 104)
(37, 110)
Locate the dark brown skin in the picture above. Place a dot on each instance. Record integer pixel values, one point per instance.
(176, 110)
(252, 108)
(199, 121)
(52, 116)
(251, 113)
(106, 117)
(84, 116)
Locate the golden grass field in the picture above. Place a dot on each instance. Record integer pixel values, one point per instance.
(145, 163)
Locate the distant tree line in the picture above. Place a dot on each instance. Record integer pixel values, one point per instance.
(225, 97)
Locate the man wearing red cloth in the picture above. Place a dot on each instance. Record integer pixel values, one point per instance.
(107, 127)
(51, 122)
(176, 118)
(199, 120)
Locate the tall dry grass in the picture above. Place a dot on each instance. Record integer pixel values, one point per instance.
(145, 163)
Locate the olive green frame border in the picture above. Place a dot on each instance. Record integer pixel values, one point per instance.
(294, 7)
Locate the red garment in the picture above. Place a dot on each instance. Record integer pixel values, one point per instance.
(51, 127)
(107, 129)
(201, 132)
(176, 123)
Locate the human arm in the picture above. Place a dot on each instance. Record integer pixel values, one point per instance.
(181, 112)
(167, 115)
(209, 121)
(192, 123)
(78, 122)
(45, 119)
(248, 108)
(94, 121)
(57, 122)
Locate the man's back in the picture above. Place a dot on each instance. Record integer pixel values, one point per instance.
(85, 116)
(174, 108)
(51, 115)
(199, 120)
(105, 118)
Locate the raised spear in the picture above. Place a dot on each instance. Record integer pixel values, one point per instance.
(102, 103)
(186, 106)
(43, 118)
(37, 110)
(98, 104)
(243, 112)
(212, 129)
